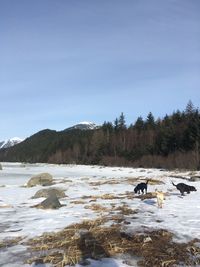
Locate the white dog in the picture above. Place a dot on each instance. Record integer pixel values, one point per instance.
(160, 198)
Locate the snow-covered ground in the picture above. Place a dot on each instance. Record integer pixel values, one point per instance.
(180, 215)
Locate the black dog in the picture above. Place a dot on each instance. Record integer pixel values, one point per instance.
(184, 188)
(141, 187)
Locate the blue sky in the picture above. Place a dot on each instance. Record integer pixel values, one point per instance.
(66, 61)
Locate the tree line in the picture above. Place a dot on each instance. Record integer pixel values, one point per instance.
(169, 142)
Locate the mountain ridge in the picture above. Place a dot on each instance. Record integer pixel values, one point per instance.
(84, 125)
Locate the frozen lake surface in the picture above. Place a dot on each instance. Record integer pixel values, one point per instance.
(180, 215)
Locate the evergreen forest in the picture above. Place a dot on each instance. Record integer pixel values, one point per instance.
(169, 142)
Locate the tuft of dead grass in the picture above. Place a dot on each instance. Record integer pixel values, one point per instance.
(146, 196)
(97, 207)
(109, 181)
(104, 196)
(155, 182)
(132, 180)
(110, 196)
(77, 202)
(10, 242)
(142, 179)
(90, 239)
(125, 210)
(128, 180)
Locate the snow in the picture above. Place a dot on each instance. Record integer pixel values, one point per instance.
(86, 122)
(180, 215)
(10, 142)
(84, 125)
(16, 139)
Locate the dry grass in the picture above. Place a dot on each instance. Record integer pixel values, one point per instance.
(110, 196)
(64, 181)
(127, 195)
(10, 242)
(109, 181)
(4, 206)
(155, 182)
(132, 180)
(128, 180)
(125, 210)
(77, 202)
(122, 196)
(90, 239)
(97, 208)
(104, 196)
(142, 179)
(146, 196)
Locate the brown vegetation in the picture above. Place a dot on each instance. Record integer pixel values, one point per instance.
(10, 242)
(90, 239)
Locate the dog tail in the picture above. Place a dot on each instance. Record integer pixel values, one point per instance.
(147, 182)
(173, 183)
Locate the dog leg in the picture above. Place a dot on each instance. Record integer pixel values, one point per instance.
(143, 191)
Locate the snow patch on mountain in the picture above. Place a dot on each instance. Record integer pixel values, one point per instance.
(10, 142)
(83, 125)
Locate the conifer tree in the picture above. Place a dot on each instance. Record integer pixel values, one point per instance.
(139, 124)
(116, 124)
(189, 108)
(122, 122)
(150, 121)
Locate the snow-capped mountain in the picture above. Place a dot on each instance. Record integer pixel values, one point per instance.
(10, 142)
(84, 125)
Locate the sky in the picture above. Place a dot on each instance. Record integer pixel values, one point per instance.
(66, 61)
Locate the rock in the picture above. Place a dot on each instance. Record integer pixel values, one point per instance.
(0, 166)
(194, 178)
(50, 191)
(51, 202)
(40, 179)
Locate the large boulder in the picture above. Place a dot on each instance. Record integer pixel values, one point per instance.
(60, 193)
(44, 179)
(51, 202)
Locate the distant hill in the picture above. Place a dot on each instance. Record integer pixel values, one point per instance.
(49, 145)
(46, 146)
